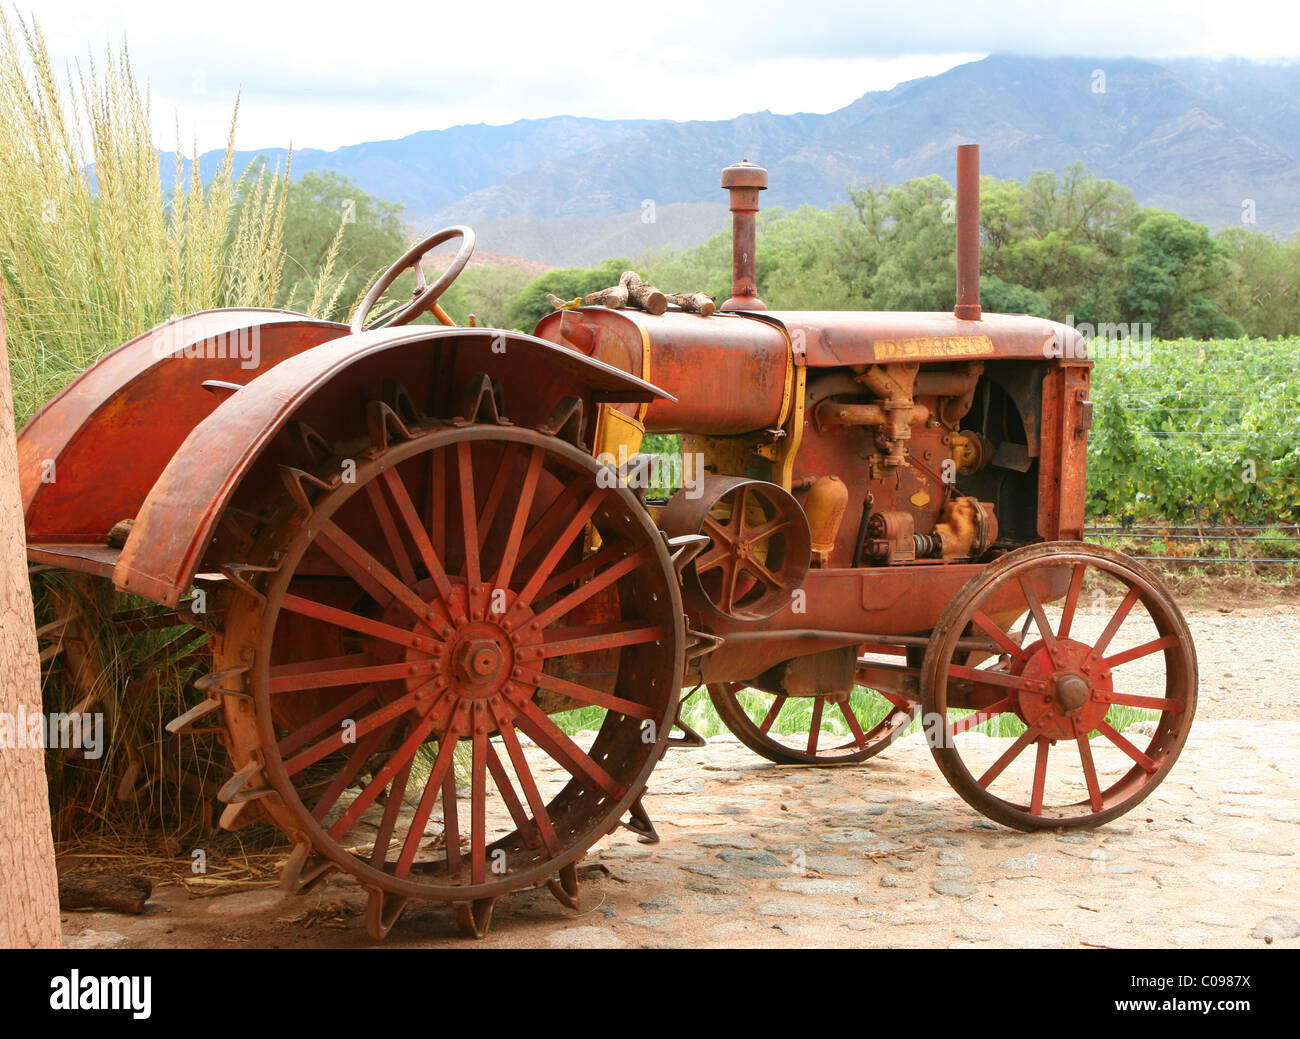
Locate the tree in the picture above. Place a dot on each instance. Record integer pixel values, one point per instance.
(918, 265)
(484, 292)
(1263, 290)
(529, 305)
(318, 205)
(1168, 280)
(29, 899)
(1000, 297)
(1063, 236)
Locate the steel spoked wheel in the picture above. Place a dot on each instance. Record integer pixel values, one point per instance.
(1081, 719)
(760, 548)
(832, 729)
(418, 628)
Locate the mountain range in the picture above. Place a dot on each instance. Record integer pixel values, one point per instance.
(1203, 137)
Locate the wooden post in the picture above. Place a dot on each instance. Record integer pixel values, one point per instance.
(29, 900)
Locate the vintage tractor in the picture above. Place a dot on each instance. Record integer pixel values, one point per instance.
(415, 546)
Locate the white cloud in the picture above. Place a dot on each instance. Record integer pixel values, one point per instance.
(332, 73)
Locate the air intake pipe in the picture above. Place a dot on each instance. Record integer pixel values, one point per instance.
(968, 233)
(743, 180)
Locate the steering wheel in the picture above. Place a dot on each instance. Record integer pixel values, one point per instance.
(425, 295)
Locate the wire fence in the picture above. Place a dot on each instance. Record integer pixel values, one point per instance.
(1250, 544)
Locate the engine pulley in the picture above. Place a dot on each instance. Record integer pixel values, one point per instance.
(761, 546)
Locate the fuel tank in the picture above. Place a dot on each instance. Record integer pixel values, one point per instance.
(729, 373)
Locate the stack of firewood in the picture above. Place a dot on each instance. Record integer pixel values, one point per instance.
(631, 291)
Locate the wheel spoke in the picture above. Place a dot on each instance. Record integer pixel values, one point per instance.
(587, 695)
(361, 753)
(601, 636)
(441, 764)
(981, 716)
(522, 508)
(1154, 646)
(429, 553)
(1036, 610)
(552, 519)
(400, 760)
(714, 557)
(560, 546)
(1089, 772)
(468, 513)
(495, 493)
(999, 636)
(999, 678)
(739, 509)
(450, 822)
(384, 514)
(392, 809)
(815, 726)
(438, 501)
(607, 554)
(1071, 601)
(769, 528)
(352, 621)
(350, 675)
(1040, 776)
(369, 572)
(1010, 755)
(1113, 734)
(721, 535)
(598, 583)
(859, 737)
(552, 739)
(1114, 624)
(478, 800)
(1150, 703)
(772, 712)
(524, 774)
(326, 721)
(367, 724)
(763, 574)
(502, 780)
(729, 589)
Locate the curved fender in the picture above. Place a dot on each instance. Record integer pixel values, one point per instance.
(88, 458)
(329, 387)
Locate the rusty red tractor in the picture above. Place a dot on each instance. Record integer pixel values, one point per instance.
(416, 552)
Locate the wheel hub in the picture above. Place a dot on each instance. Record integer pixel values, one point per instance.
(1070, 692)
(1066, 689)
(476, 654)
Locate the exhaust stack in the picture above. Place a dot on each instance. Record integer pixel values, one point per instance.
(968, 233)
(744, 180)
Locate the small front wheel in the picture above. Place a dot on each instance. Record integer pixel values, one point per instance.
(1101, 687)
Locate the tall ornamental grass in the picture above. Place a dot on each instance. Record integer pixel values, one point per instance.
(96, 245)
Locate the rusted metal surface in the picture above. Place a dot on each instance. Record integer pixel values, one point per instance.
(1061, 686)
(417, 529)
(845, 338)
(438, 664)
(326, 388)
(968, 233)
(726, 375)
(742, 182)
(89, 457)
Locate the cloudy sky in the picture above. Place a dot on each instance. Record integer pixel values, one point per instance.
(327, 73)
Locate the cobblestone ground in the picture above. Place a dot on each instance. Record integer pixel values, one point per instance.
(885, 854)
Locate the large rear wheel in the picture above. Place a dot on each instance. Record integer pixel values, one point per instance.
(451, 665)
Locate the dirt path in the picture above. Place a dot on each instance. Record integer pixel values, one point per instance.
(885, 854)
